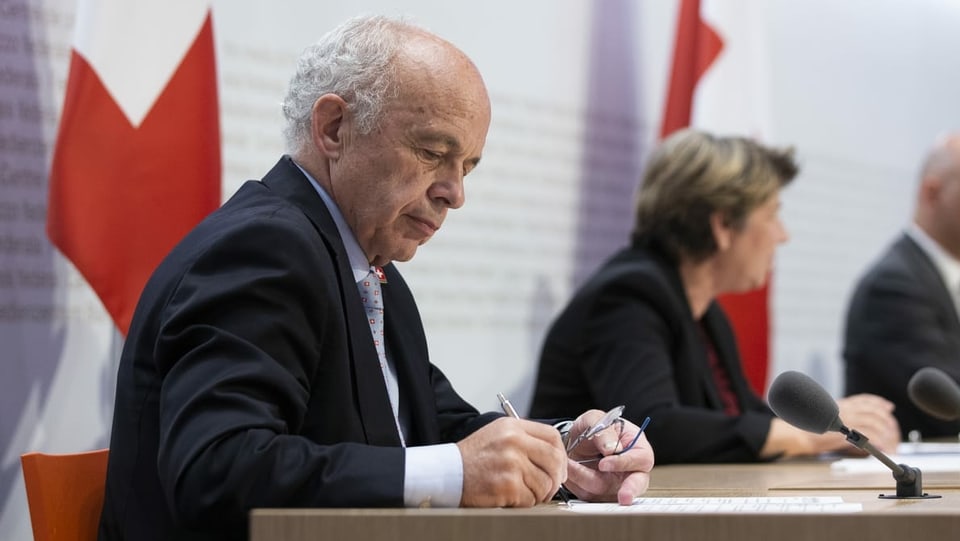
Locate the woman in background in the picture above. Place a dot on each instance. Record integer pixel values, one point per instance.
(646, 331)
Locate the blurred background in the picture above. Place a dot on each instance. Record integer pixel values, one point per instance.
(579, 88)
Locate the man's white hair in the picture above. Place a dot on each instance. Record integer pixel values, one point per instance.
(353, 61)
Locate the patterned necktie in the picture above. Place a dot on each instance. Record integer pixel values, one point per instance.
(369, 288)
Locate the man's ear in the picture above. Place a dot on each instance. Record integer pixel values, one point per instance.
(327, 119)
(930, 187)
(722, 232)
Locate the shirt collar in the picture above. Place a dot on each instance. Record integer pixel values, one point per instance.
(948, 266)
(358, 260)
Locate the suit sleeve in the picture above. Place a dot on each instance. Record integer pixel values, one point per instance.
(457, 419)
(629, 359)
(894, 328)
(895, 325)
(240, 351)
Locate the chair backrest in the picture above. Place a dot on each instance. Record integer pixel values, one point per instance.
(65, 494)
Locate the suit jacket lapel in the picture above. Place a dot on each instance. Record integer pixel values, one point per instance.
(376, 414)
(717, 325)
(698, 356)
(929, 274)
(705, 370)
(403, 332)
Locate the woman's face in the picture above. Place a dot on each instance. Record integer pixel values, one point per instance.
(745, 255)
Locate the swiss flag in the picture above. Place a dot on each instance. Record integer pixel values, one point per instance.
(697, 47)
(137, 158)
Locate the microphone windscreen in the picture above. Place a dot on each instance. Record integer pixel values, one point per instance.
(799, 400)
(936, 393)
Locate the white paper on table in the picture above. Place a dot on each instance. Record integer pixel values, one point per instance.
(929, 447)
(803, 504)
(924, 462)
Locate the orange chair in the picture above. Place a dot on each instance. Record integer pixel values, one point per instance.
(65, 494)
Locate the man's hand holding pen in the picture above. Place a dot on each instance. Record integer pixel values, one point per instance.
(513, 462)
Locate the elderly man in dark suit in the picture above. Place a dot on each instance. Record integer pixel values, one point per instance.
(277, 358)
(904, 312)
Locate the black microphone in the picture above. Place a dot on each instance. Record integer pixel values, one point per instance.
(936, 393)
(799, 400)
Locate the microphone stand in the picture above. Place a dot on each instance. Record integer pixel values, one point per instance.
(909, 479)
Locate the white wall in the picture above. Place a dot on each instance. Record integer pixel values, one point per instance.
(860, 87)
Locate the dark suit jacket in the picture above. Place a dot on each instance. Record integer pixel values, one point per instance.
(249, 377)
(901, 318)
(628, 337)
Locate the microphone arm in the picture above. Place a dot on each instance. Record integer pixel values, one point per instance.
(909, 479)
(799, 400)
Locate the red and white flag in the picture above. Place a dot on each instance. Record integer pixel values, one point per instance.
(137, 157)
(717, 83)
(696, 46)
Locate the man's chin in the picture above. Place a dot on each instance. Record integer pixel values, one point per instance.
(404, 252)
(404, 255)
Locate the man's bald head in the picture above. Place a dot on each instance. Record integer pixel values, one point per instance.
(938, 197)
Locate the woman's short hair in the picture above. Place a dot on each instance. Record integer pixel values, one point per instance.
(693, 174)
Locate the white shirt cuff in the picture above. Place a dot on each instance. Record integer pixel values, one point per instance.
(433, 476)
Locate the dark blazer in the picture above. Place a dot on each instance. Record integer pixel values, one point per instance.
(628, 337)
(249, 377)
(900, 319)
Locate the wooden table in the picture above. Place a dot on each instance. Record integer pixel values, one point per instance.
(881, 519)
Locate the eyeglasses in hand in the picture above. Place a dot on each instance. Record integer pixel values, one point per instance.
(613, 419)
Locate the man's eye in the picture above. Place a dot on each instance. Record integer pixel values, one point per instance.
(431, 154)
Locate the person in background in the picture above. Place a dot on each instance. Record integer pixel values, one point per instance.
(903, 314)
(647, 332)
(277, 358)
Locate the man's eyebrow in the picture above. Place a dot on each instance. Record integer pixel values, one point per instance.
(437, 137)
